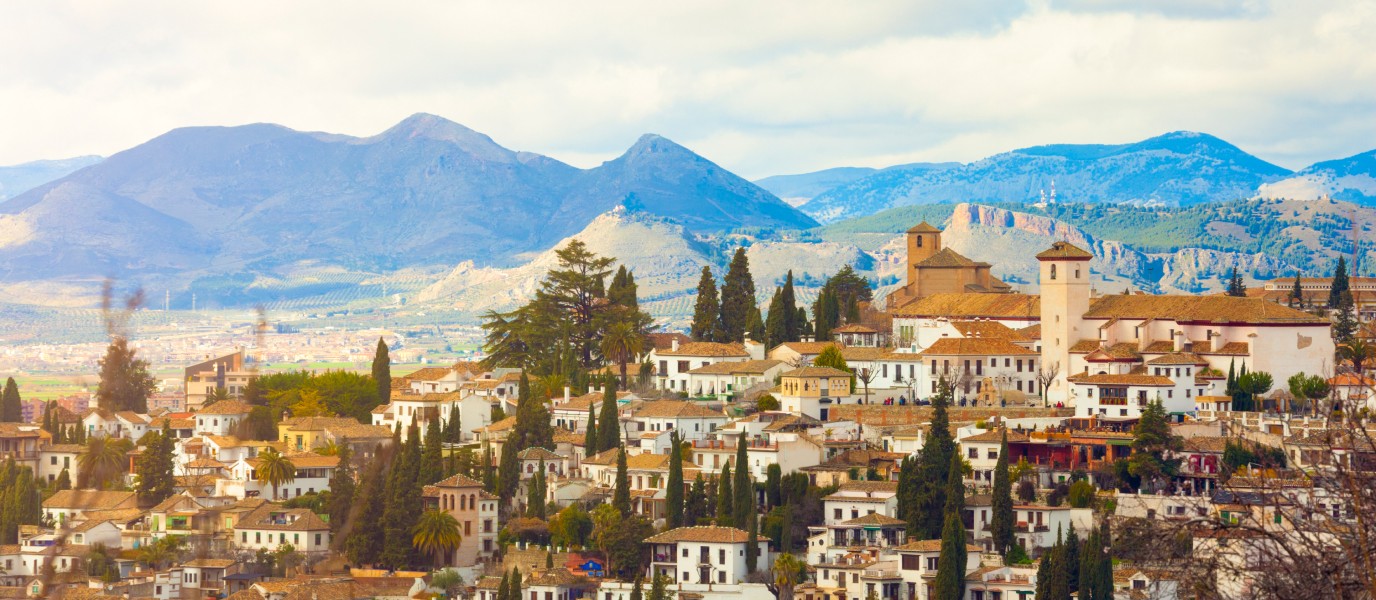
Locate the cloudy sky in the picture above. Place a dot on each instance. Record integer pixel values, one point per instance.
(762, 88)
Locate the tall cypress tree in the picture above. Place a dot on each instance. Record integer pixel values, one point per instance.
(48, 418)
(950, 572)
(738, 299)
(535, 498)
(1057, 587)
(1002, 521)
(609, 421)
(1072, 561)
(508, 472)
(489, 478)
(1089, 566)
(590, 436)
(776, 324)
(752, 540)
(1339, 285)
(786, 533)
(504, 588)
(674, 493)
(11, 406)
(725, 499)
(1297, 292)
(909, 489)
(754, 327)
(706, 312)
(742, 485)
(695, 507)
(935, 464)
(1046, 574)
(366, 540)
(1103, 584)
(955, 504)
(382, 371)
(792, 328)
(515, 583)
(341, 487)
(400, 512)
(621, 497)
(432, 459)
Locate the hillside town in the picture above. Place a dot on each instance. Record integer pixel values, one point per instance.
(954, 439)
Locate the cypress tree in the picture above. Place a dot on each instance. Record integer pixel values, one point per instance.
(772, 481)
(707, 311)
(1002, 520)
(366, 539)
(1046, 573)
(738, 300)
(786, 535)
(1339, 285)
(504, 588)
(907, 493)
(725, 499)
(674, 493)
(489, 481)
(382, 371)
(432, 460)
(155, 467)
(792, 328)
(11, 405)
(508, 472)
(535, 498)
(609, 421)
(1103, 584)
(1056, 588)
(399, 514)
(742, 486)
(776, 324)
(955, 505)
(935, 464)
(755, 326)
(1089, 567)
(950, 572)
(752, 540)
(48, 418)
(341, 487)
(805, 325)
(1072, 561)
(64, 481)
(1297, 292)
(636, 590)
(621, 498)
(590, 436)
(695, 507)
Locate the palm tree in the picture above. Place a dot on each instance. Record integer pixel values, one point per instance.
(622, 343)
(159, 552)
(102, 461)
(1358, 351)
(437, 533)
(329, 449)
(214, 396)
(275, 469)
(786, 570)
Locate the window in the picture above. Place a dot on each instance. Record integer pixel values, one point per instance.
(854, 514)
(919, 241)
(683, 366)
(721, 557)
(721, 576)
(993, 454)
(257, 537)
(974, 453)
(1019, 366)
(838, 514)
(317, 539)
(931, 563)
(1053, 272)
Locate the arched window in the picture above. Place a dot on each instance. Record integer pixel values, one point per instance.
(1077, 272)
(919, 241)
(530, 468)
(472, 498)
(1053, 271)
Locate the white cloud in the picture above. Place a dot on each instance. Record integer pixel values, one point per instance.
(760, 87)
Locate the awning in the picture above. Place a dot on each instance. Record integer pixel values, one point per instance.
(1119, 442)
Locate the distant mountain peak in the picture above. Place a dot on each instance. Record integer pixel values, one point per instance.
(433, 127)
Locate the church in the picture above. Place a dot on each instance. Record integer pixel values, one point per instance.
(932, 269)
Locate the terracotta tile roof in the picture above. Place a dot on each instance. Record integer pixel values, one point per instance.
(87, 499)
(286, 519)
(1206, 444)
(870, 486)
(946, 257)
(204, 462)
(459, 481)
(87, 525)
(1085, 346)
(816, 372)
(1205, 309)
(1160, 347)
(665, 341)
(172, 502)
(470, 367)
(923, 227)
(853, 328)
(118, 515)
(875, 519)
(605, 457)
(157, 423)
(808, 347)
(974, 305)
(229, 441)
(654, 462)
(537, 454)
(381, 409)
(65, 448)
(132, 417)
(1060, 250)
(501, 425)
(756, 367)
(1233, 348)
(858, 353)
(359, 431)
(900, 356)
(564, 436)
(214, 563)
(974, 347)
(247, 594)
(932, 546)
(587, 400)
(1178, 358)
(186, 481)
(705, 349)
(226, 407)
(316, 423)
(489, 583)
(996, 435)
(104, 414)
(303, 461)
(988, 329)
(1144, 380)
(1351, 379)
(877, 415)
(429, 374)
(721, 535)
(664, 409)
(551, 578)
(1118, 352)
(1031, 332)
(16, 430)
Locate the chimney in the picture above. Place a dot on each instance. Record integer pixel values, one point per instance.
(566, 394)
(674, 344)
(1178, 340)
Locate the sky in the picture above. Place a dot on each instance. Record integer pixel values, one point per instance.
(762, 88)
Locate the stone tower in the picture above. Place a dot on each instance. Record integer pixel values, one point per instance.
(923, 241)
(1065, 294)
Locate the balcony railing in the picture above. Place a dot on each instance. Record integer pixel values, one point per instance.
(19, 454)
(882, 574)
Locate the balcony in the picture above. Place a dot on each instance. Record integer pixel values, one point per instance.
(19, 454)
(881, 574)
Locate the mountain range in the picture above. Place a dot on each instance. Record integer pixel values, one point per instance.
(17, 179)
(1179, 168)
(426, 191)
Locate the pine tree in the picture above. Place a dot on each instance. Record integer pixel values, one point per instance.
(609, 421)
(125, 382)
(432, 460)
(11, 406)
(725, 499)
(707, 311)
(792, 328)
(1002, 521)
(776, 324)
(743, 486)
(590, 436)
(155, 468)
(1345, 323)
(1297, 292)
(674, 493)
(621, 497)
(341, 487)
(737, 299)
(1235, 285)
(755, 326)
(659, 588)
(1339, 285)
(382, 371)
